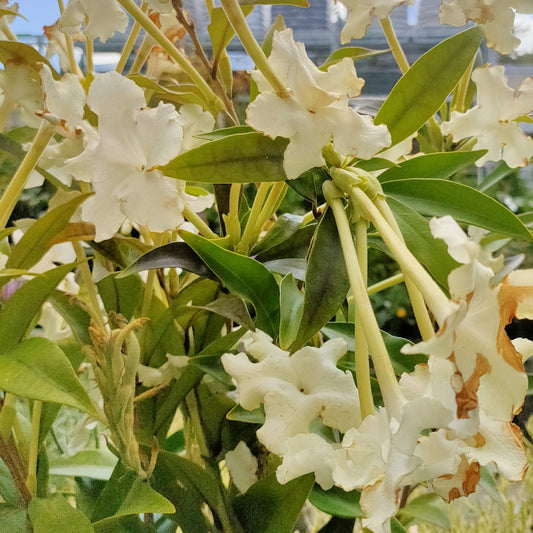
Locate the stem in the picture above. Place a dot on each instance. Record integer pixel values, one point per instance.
(423, 320)
(130, 43)
(362, 364)
(31, 480)
(142, 55)
(89, 55)
(392, 395)
(238, 21)
(385, 284)
(198, 223)
(192, 407)
(269, 208)
(212, 99)
(233, 225)
(6, 28)
(14, 190)
(395, 46)
(255, 212)
(437, 301)
(88, 284)
(150, 283)
(7, 416)
(11, 458)
(461, 91)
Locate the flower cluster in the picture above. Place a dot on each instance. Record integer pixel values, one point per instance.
(456, 410)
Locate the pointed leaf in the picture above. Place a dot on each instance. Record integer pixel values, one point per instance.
(94, 464)
(353, 52)
(438, 165)
(326, 280)
(291, 309)
(421, 91)
(427, 508)
(73, 313)
(221, 31)
(231, 307)
(36, 241)
(432, 197)
(243, 276)
(19, 311)
(284, 227)
(39, 370)
(337, 502)
(56, 514)
(241, 158)
(268, 507)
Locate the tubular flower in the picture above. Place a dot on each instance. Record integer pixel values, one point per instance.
(123, 164)
(295, 389)
(496, 17)
(494, 120)
(361, 13)
(104, 18)
(316, 109)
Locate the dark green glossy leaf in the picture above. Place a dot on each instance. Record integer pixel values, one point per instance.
(501, 171)
(326, 281)
(297, 267)
(421, 91)
(241, 158)
(337, 502)
(244, 277)
(18, 312)
(432, 197)
(437, 165)
(353, 52)
(431, 252)
(239, 414)
(268, 507)
(56, 514)
(172, 255)
(36, 240)
(296, 246)
(121, 295)
(309, 185)
(291, 308)
(37, 369)
(231, 307)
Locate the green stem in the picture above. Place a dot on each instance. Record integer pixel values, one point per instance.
(142, 55)
(233, 225)
(238, 21)
(14, 190)
(436, 299)
(392, 395)
(128, 47)
(89, 55)
(395, 46)
(150, 283)
(423, 320)
(275, 196)
(255, 212)
(31, 480)
(362, 364)
(211, 98)
(385, 284)
(459, 102)
(7, 416)
(88, 284)
(198, 223)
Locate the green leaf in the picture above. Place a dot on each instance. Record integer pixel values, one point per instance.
(12, 519)
(309, 185)
(56, 514)
(184, 93)
(431, 252)
(127, 494)
(427, 508)
(337, 502)
(121, 295)
(291, 309)
(243, 276)
(396, 526)
(17, 52)
(172, 255)
(296, 266)
(19, 311)
(224, 132)
(326, 280)
(501, 171)
(353, 52)
(296, 246)
(432, 197)
(38, 369)
(241, 158)
(437, 165)
(268, 507)
(94, 464)
(284, 227)
(221, 31)
(36, 240)
(231, 307)
(240, 414)
(421, 91)
(73, 313)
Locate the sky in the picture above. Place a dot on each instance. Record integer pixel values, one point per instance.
(38, 13)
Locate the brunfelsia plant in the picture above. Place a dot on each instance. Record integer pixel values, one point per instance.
(180, 353)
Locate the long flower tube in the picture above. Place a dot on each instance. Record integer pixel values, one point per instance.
(390, 389)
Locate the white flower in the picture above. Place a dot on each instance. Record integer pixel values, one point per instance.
(105, 17)
(242, 466)
(172, 369)
(123, 165)
(362, 12)
(295, 389)
(493, 121)
(496, 17)
(315, 112)
(57, 44)
(163, 6)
